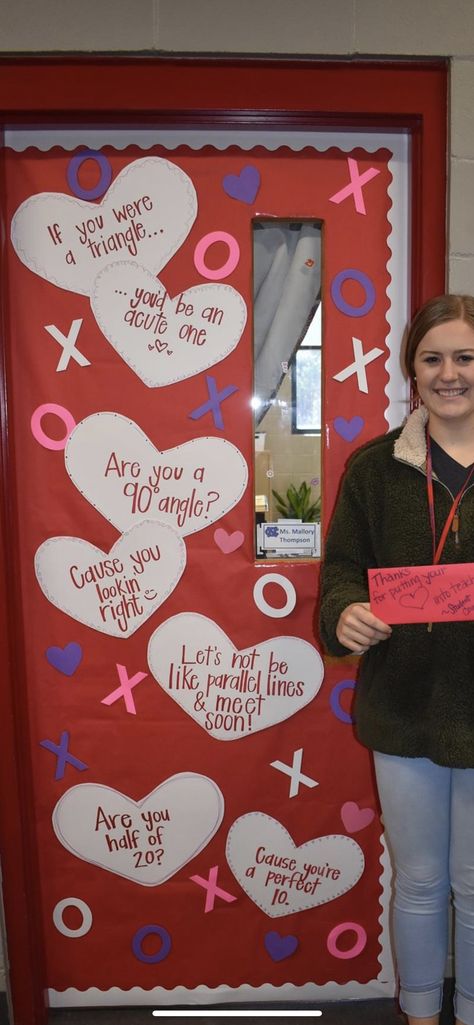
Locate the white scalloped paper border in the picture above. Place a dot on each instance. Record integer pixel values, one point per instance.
(383, 986)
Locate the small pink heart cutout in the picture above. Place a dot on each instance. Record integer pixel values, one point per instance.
(355, 818)
(228, 542)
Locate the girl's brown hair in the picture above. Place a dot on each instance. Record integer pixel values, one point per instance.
(439, 310)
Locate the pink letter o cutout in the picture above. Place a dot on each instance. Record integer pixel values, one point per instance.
(232, 260)
(37, 430)
(359, 944)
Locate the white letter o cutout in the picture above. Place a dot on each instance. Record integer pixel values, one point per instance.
(72, 902)
(269, 610)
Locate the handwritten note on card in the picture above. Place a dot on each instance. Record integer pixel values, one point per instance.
(423, 594)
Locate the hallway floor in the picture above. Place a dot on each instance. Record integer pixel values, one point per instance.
(364, 1012)
(358, 1012)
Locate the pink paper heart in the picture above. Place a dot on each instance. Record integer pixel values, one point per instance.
(355, 818)
(228, 542)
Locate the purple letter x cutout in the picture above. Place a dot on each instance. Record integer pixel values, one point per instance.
(213, 404)
(61, 750)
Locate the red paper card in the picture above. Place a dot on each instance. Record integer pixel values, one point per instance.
(423, 594)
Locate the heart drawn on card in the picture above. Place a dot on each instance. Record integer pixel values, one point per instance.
(196, 328)
(146, 841)
(414, 599)
(121, 473)
(147, 213)
(282, 878)
(230, 693)
(114, 592)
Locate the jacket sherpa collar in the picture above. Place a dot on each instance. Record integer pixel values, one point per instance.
(410, 446)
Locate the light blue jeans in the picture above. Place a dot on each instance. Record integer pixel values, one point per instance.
(428, 813)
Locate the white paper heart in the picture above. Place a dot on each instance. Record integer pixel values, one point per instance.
(147, 213)
(166, 339)
(282, 878)
(121, 473)
(146, 841)
(114, 592)
(232, 694)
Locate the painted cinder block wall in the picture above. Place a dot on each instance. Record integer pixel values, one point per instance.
(315, 28)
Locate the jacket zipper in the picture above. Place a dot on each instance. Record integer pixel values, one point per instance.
(455, 523)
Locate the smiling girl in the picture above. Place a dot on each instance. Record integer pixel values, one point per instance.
(408, 500)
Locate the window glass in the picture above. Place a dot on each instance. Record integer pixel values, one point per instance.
(287, 396)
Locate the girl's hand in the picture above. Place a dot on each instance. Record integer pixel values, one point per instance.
(358, 628)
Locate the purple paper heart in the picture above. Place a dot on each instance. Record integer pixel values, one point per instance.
(243, 186)
(348, 429)
(65, 660)
(280, 947)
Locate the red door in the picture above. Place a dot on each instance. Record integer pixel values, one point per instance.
(186, 758)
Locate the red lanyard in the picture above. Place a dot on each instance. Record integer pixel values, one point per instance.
(452, 515)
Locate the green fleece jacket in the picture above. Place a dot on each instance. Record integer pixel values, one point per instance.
(415, 691)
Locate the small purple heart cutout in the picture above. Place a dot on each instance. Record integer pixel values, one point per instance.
(348, 429)
(65, 660)
(243, 186)
(280, 947)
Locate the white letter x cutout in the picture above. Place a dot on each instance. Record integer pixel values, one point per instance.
(294, 772)
(359, 365)
(68, 343)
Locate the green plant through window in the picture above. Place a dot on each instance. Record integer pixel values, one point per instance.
(298, 504)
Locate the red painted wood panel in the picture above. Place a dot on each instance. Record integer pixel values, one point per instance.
(262, 93)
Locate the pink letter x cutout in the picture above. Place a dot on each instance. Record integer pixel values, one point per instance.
(213, 890)
(125, 689)
(355, 187)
